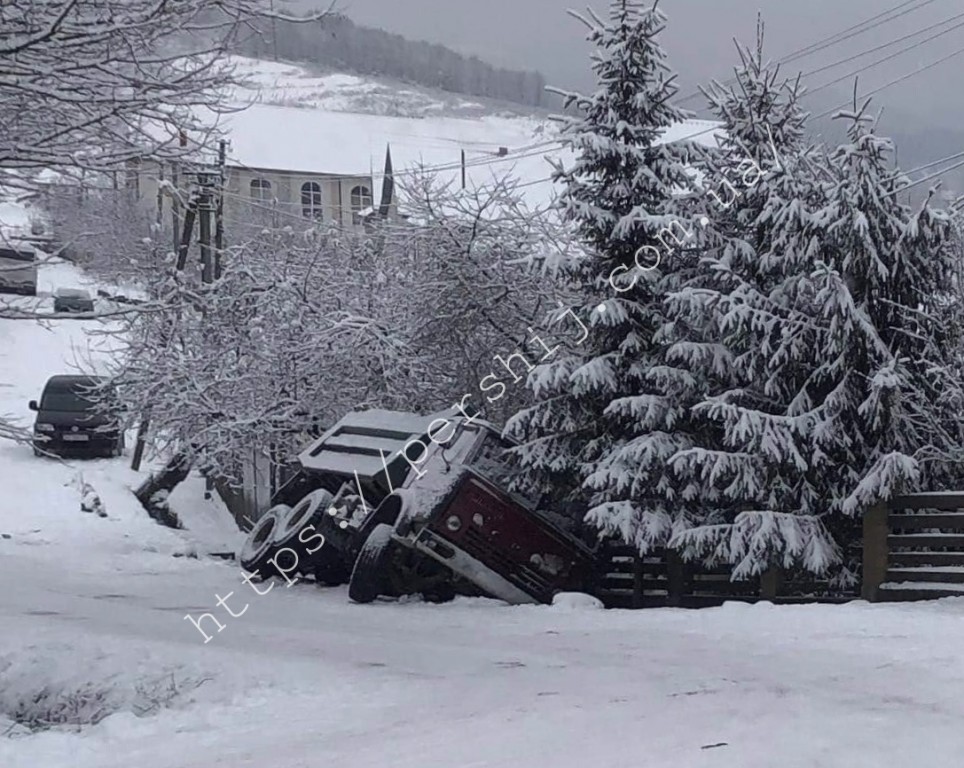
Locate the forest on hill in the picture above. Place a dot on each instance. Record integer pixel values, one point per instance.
(337, 41)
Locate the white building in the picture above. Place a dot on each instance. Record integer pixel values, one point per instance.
(256, 194)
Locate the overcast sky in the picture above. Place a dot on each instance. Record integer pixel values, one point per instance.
(538, 34)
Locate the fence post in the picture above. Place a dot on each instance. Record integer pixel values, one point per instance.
(770, 581)
(876, 529)
(638, 576)
(675, 578)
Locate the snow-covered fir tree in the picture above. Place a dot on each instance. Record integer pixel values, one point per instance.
(760, 190)
(602, 427)
(829, 298)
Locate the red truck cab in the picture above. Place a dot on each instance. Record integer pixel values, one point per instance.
(459, 515)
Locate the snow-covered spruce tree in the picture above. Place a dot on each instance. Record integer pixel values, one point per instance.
(606, 417)
(850, 389)
(760, 189)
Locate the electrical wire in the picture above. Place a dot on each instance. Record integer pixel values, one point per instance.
(900, 79)
(544, 147)
(885, 59)
(832, 40)
(886, 45)
(855, 30)
(527, 151)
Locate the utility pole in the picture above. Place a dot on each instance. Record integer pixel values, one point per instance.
(219, 212)
(175, 203)
(205, 208)
(141, 439)
(160, 195)
(463, 169)
(182, 245)
(185, 242)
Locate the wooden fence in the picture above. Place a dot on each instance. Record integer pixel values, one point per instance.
(914, 548)
(662, 579)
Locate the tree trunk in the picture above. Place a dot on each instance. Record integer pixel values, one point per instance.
(153, 492)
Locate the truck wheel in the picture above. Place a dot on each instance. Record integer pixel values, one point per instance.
(369, 577)
(259, 547)
(307, 513)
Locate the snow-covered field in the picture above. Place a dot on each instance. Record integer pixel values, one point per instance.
(339, 123)
(93, 628)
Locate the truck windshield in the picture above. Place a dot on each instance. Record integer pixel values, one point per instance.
(491, 462)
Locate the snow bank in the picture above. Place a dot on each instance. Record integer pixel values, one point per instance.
(576, 601)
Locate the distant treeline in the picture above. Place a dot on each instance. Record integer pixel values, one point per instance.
(337, 41)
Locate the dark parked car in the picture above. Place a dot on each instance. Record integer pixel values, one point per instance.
(18, 270)
(72, 300)
(77, 415)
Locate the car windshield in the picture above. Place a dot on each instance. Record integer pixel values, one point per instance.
(76, 396)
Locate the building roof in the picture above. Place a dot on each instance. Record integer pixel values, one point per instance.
(317, 141)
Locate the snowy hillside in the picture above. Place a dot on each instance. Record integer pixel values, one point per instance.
(342, 124)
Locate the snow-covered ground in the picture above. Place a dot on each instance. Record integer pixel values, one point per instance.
(300, 120)
(93, 627)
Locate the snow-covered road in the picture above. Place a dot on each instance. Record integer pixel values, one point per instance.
(92, 616)
(303, 678)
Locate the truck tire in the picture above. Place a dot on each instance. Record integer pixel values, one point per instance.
(306, 514)
(369, 577)
(259, 547)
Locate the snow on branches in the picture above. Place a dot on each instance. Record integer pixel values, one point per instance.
(94, 83)
(830, 297)
(606, 415)
(796, 362)
(304, 326)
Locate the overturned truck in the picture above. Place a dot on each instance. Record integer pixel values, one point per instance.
(394, 503)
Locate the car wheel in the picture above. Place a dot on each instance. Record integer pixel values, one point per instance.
(37, 451)
(369, 577)
(259, 547)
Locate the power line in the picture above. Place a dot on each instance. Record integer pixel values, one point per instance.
(528, 151)
(855, 30)
(897, 11)
(931, 176)
(519, 153)
(887, 58)
(820, 45)
(900, 79)
(886, 45)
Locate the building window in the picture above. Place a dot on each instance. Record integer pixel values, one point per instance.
(361, 198)
(311, 200)
(260, 189)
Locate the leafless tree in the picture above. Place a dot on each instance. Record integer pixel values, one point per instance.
(307, 324)
(95, 83)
